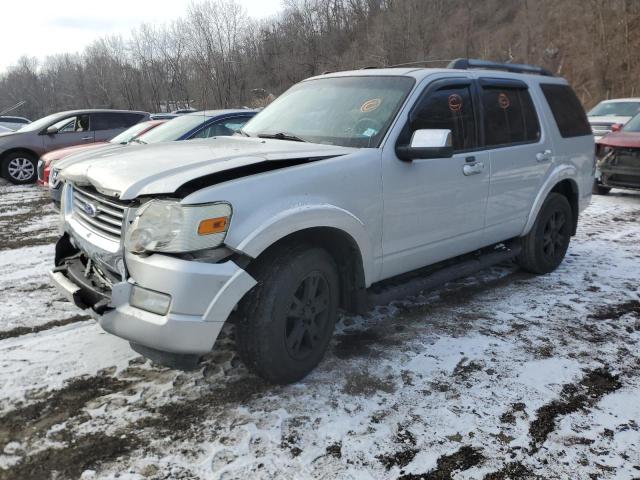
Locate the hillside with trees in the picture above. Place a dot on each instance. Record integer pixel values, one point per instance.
(216, 55)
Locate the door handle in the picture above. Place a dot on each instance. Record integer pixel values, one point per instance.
(545, 156)
(86, 138)
(473, 168)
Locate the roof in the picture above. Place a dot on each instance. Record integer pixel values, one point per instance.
(98, 110)
(217, 113)
(421, 73)
(616, 100)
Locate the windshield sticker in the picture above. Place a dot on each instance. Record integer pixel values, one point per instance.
(503, 101)
(455, 102)
(370, 105)
(369, 132)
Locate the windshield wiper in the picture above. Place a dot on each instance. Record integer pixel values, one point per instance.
(281, 136)
(137, 140)
(242, 132)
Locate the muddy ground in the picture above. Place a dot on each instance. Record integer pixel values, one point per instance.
(502, 375)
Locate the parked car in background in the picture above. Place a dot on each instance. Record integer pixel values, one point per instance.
(609, 112)
(346, 180)
(210, 123)
(20, 151)
(162, 116)
(618, 158)
(48, 159)
(13, 123)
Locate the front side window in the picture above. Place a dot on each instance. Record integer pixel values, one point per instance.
(448, 108)
(78, 123)
(509, 116)
(346, 111)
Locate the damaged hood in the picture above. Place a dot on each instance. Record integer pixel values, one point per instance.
(164, 167)
(621, 139)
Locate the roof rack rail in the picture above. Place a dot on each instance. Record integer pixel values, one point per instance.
(470, 63)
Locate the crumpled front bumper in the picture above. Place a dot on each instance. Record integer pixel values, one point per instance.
(202, 297)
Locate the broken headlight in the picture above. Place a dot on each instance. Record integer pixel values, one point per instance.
(170, 227)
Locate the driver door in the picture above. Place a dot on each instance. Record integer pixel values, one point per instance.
(73, 130)
(434, 208)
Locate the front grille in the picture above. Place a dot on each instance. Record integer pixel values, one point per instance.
(98, 213)
(601, 129)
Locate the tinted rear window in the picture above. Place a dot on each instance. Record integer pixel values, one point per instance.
(115, 120)
(567, 110)
(509, 116)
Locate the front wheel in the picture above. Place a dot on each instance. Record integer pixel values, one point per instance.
(19, 168)
(544, 248)
(287, 320)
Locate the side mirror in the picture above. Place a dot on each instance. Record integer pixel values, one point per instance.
(52, 130)
(616, 127)
(427, 144)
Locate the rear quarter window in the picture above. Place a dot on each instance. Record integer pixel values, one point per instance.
(567, 110)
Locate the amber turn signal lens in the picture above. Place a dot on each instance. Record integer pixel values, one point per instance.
(212, 225)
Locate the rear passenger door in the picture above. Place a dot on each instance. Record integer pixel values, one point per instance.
(107, 125)
(520, 153)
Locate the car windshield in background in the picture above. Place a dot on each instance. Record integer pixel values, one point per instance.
(173, 129)
(616, 109)
(632, 125)
(346, 111)
(129, 134)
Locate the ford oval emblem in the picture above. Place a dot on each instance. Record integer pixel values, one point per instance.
(90, 209)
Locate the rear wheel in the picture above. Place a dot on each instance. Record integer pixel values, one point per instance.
(599, 189)
(287, 320)
(19, 168)
(544, 248)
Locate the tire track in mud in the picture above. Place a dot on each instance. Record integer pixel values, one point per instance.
(180, 420)
(573, 397)
(19, 331)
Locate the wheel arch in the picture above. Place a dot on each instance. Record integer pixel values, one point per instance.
(346, 253)
(28, 151)
(561, 181)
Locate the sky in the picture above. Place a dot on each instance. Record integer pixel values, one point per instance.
(38, 28)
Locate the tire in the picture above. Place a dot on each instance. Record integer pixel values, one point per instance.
(600, 189)
(286, 321)
(544, 248)
(20, 168)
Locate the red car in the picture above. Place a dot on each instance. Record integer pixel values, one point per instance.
(44, 164)
(618, 155)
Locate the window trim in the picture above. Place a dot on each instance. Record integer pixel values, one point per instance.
(440, 84)
(487, 83)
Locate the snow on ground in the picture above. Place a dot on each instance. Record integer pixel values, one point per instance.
(499, 375)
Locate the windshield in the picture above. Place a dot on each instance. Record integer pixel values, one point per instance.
(616, 109)
(632, 125)
(345, 111)
(130, 133)
(42, 123)
(173, 129)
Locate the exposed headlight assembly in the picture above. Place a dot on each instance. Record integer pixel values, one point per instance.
(167, 226)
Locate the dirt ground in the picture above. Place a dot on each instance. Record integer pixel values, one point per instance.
(502, 375)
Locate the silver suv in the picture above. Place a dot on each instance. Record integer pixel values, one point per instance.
(344, 182)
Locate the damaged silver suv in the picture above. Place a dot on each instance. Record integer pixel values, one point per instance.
(346, 181)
